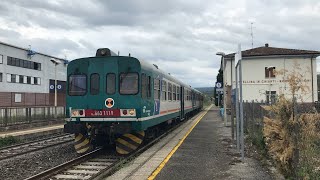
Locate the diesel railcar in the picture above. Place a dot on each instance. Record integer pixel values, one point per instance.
(122, 100)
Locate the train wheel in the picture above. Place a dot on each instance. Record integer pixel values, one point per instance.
(82, 144)
(128, 143)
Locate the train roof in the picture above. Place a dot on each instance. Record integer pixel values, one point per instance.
(153, 67)
(148, 66)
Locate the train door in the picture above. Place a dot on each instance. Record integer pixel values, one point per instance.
(181, 103)
(193, 99)
(102, 83)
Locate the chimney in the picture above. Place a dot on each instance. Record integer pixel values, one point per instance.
(266, 45)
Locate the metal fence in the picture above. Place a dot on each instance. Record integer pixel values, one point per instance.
(23, 115)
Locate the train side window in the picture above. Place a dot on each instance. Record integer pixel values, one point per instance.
(149, 87)
(164, 91)
(77, 85)
(169, 91)
(111, 83)
(185, 95)
(174, 94)
(129, 83)
(156, 87)
(178, 93)
(94, 84)
(144, 86)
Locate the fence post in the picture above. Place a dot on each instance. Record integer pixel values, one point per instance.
(295, 138)
(5, 116)
(252, 120)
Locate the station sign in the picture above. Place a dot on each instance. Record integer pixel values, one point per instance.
(61, 86)
(219, 88)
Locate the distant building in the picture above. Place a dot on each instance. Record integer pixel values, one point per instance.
(27, 77)
(261, 83)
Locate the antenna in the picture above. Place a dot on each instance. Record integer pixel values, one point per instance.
(252, 34)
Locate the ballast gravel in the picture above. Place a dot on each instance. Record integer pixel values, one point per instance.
(27, 165)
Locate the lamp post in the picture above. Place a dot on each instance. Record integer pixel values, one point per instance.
(222, 54)
(55, 62)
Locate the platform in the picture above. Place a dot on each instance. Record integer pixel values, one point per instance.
(33, 132)
(199, 149)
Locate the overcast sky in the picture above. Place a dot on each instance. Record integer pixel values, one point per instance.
(180, 36)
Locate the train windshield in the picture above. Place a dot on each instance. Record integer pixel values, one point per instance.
(129, 83)
(77, 85)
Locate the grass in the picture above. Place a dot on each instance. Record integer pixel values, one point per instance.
(7, 141)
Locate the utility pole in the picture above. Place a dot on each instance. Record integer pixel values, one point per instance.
(251, 35)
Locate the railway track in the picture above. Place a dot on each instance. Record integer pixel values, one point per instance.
(94, 165)
(19, 149)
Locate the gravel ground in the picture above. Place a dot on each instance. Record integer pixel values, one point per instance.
(27, 165)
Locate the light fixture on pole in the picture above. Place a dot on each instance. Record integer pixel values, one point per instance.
(55, 62)
(222, 54)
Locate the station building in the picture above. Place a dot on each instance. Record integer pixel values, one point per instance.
(260, 80)
(27, 77)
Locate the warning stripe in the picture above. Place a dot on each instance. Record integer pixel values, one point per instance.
(131, 139)
(129, 142)
(121, 151)
(126, 143)
(79, 140)
(83, 150)
(138, 135)
(124, 147)
(82, 144)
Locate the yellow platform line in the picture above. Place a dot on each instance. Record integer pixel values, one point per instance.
(164, 162)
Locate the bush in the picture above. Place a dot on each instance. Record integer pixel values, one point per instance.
(7, 141)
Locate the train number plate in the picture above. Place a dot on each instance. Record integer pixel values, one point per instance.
(102, 113)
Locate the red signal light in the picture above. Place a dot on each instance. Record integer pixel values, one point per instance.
(125, 112)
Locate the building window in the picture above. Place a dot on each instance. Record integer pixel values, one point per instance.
(271, 97)
(269, 72)
(23, 63)
(37, 81)
(20, 78)
(28, 80)
(111, 83)
(17, 98)
(13, 78)
(9, 60)
(0, 77)
(94, 84)
(156, 86)
(164, 91)
(1, 59)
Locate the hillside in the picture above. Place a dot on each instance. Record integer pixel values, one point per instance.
(206, 90)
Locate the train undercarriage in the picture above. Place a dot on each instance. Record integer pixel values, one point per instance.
(120, 136)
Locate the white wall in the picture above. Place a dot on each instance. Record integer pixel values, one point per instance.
(255, 84)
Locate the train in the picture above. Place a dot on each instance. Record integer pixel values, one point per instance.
(122, 101)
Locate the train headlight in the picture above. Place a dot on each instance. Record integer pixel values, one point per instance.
(132, 112)
(128, 112)
(77, 113)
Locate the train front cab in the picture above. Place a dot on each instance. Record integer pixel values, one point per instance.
(103, 100)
